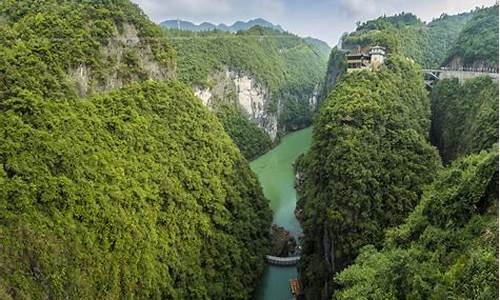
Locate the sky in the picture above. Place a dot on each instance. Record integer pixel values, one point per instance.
(323, 19)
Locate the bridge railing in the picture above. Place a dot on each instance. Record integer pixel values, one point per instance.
(470, 69)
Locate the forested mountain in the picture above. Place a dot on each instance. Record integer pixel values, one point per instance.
(375, 227)
(207, 26)
(464, 116)
(477, 44)
(427, 44)
(322, 45)
(114, 185)
(78, 47)
(448, 245)
(271, 78)
(446, 249)
(367, 167)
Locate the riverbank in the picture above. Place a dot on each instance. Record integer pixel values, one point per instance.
(276, 176)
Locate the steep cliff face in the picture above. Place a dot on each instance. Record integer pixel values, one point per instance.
(367, 166)
(272, 77)
(79, 48)
(242, 89)
(136, 193)
(128, 58)
(477, 44)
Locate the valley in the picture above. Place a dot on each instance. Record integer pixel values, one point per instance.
(172, 159)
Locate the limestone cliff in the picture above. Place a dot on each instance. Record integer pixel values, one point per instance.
(128, 58)
(253, 98)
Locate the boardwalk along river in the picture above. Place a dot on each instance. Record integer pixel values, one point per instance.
(276, 176)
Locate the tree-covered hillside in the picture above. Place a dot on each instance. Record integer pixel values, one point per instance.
(367, 167)
(477, 44)
(248, 136)
(447, 246)
(136, 193)
(286, 65)
(78, 47)
(464, 117)
(446, 249)
(427, 44)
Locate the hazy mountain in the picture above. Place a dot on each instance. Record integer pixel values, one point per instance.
(322, 45)
(206, 26)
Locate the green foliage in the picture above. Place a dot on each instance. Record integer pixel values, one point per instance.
(252, 140)
(446, 249)
(284, 63)
(135, 194)
(40, 41)
(477, 44)
(366, 169)
(337, 65)
(427, 44)
(464, 117)
(398, 20)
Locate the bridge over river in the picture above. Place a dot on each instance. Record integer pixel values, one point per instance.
(433, 75)
(282, 261)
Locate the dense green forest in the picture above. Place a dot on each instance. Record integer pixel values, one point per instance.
(132, 193)
(464, 116)
(477, 44)
(427, 44)
(448, 245)
(367, 167)
(42, 40)
(446, 249)
(252, 140)
(437, 237)
(285, 64)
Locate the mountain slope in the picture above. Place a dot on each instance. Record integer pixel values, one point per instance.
(79, 47)
(206, 26)
(477, 44)
(366, 170)
(272, 77)
(322, 45)
(114, 185)
(464, 116)
(447, 247)
(444, 242)
(427, 44)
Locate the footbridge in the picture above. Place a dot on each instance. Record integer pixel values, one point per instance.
(433, 75)
(282, 261)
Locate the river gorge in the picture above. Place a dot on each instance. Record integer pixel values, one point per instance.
(276, 176)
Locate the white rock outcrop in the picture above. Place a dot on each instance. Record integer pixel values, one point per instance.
(252, 97)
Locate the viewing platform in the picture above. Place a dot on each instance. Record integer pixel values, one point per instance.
(282, 261)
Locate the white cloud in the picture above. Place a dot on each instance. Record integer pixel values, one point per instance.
(358, 7)
(159, 10)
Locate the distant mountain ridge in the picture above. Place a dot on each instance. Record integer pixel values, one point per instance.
(322, 45)
(206, 26)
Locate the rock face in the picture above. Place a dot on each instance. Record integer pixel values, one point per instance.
(283, 243)
(253, 97)
(123, 53)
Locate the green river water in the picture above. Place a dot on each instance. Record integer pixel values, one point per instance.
(275, 172)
